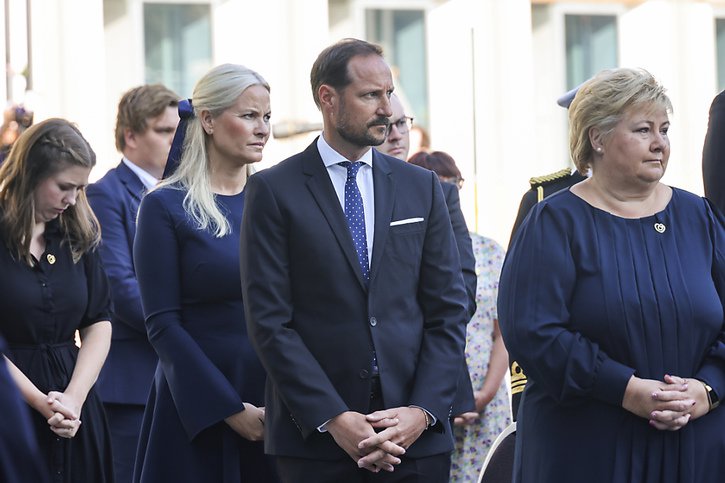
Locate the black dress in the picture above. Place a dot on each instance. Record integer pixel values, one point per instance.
(40, 309)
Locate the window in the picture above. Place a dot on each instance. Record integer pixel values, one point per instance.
(177, 44)
(402, 35)
(591, 45)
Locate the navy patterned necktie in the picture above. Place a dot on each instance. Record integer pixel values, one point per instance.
(355, 214)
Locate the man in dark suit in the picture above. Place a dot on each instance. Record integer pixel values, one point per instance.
(397, 144)
(713, 154)
(353, 292)
(145, 126)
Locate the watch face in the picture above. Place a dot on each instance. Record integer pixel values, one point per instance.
(712, 397)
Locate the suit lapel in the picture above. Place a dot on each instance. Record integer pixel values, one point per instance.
(384, 197)
(319, 184)
(132, 182)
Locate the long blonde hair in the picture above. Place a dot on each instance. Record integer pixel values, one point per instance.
(216, 92)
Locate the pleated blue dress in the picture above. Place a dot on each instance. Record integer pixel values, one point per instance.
(586, 300)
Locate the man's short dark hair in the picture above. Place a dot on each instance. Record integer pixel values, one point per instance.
(331, 65)
(140, 104)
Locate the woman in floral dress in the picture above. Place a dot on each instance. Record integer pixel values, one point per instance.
(487, 364)
(486, 355)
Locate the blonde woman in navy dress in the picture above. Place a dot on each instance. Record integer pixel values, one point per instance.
(52, 284)
(611, 299)
(204, 420)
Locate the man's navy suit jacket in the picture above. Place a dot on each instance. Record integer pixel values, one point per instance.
(314, 322)
(464, 400)
(713, 154)
(129, 368)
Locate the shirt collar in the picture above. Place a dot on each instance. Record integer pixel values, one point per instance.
(147, 179)
(331, 157)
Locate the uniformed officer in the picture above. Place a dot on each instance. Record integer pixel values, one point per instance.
(541, 187)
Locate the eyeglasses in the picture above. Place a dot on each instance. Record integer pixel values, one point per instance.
(403, 125)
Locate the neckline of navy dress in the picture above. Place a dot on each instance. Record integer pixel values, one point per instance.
(236, 195)
(655, 216)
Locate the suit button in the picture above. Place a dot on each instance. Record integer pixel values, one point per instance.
(373, 321)
(364, 374)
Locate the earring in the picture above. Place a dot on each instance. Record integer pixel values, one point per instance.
(599, 150)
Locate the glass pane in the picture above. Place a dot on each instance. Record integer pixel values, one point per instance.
(402, 35)
(177, 44)
(720, 52)
(591, 45)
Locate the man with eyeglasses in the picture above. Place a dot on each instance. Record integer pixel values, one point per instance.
(397, 144)
(397, 139)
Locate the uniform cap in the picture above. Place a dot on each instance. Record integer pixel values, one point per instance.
(565, 99)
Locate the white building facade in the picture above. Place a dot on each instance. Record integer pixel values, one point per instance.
(482, 76)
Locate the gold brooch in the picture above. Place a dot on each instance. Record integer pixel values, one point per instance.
(51, 258)
(660, 227)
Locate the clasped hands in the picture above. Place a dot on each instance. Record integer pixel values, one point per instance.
(249, 423)
(62, 412)
(668, 404)
(356, 434)
(481, 399)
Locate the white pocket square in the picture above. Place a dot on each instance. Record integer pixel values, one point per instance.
(406, 221)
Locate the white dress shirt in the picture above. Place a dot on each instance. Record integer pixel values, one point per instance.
(338, 176)
(147, 180)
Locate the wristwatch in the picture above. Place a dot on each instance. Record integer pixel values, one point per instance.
(712, 397)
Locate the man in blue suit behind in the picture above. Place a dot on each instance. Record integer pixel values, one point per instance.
(353, 293)
(145, 124)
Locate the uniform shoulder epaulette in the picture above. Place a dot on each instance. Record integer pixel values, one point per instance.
(548, 178)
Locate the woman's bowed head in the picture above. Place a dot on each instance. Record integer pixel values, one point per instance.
(44, 179)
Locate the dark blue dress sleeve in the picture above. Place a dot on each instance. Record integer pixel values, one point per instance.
(537, 283)
(203, 396)
(98, 308)
(712, 370)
